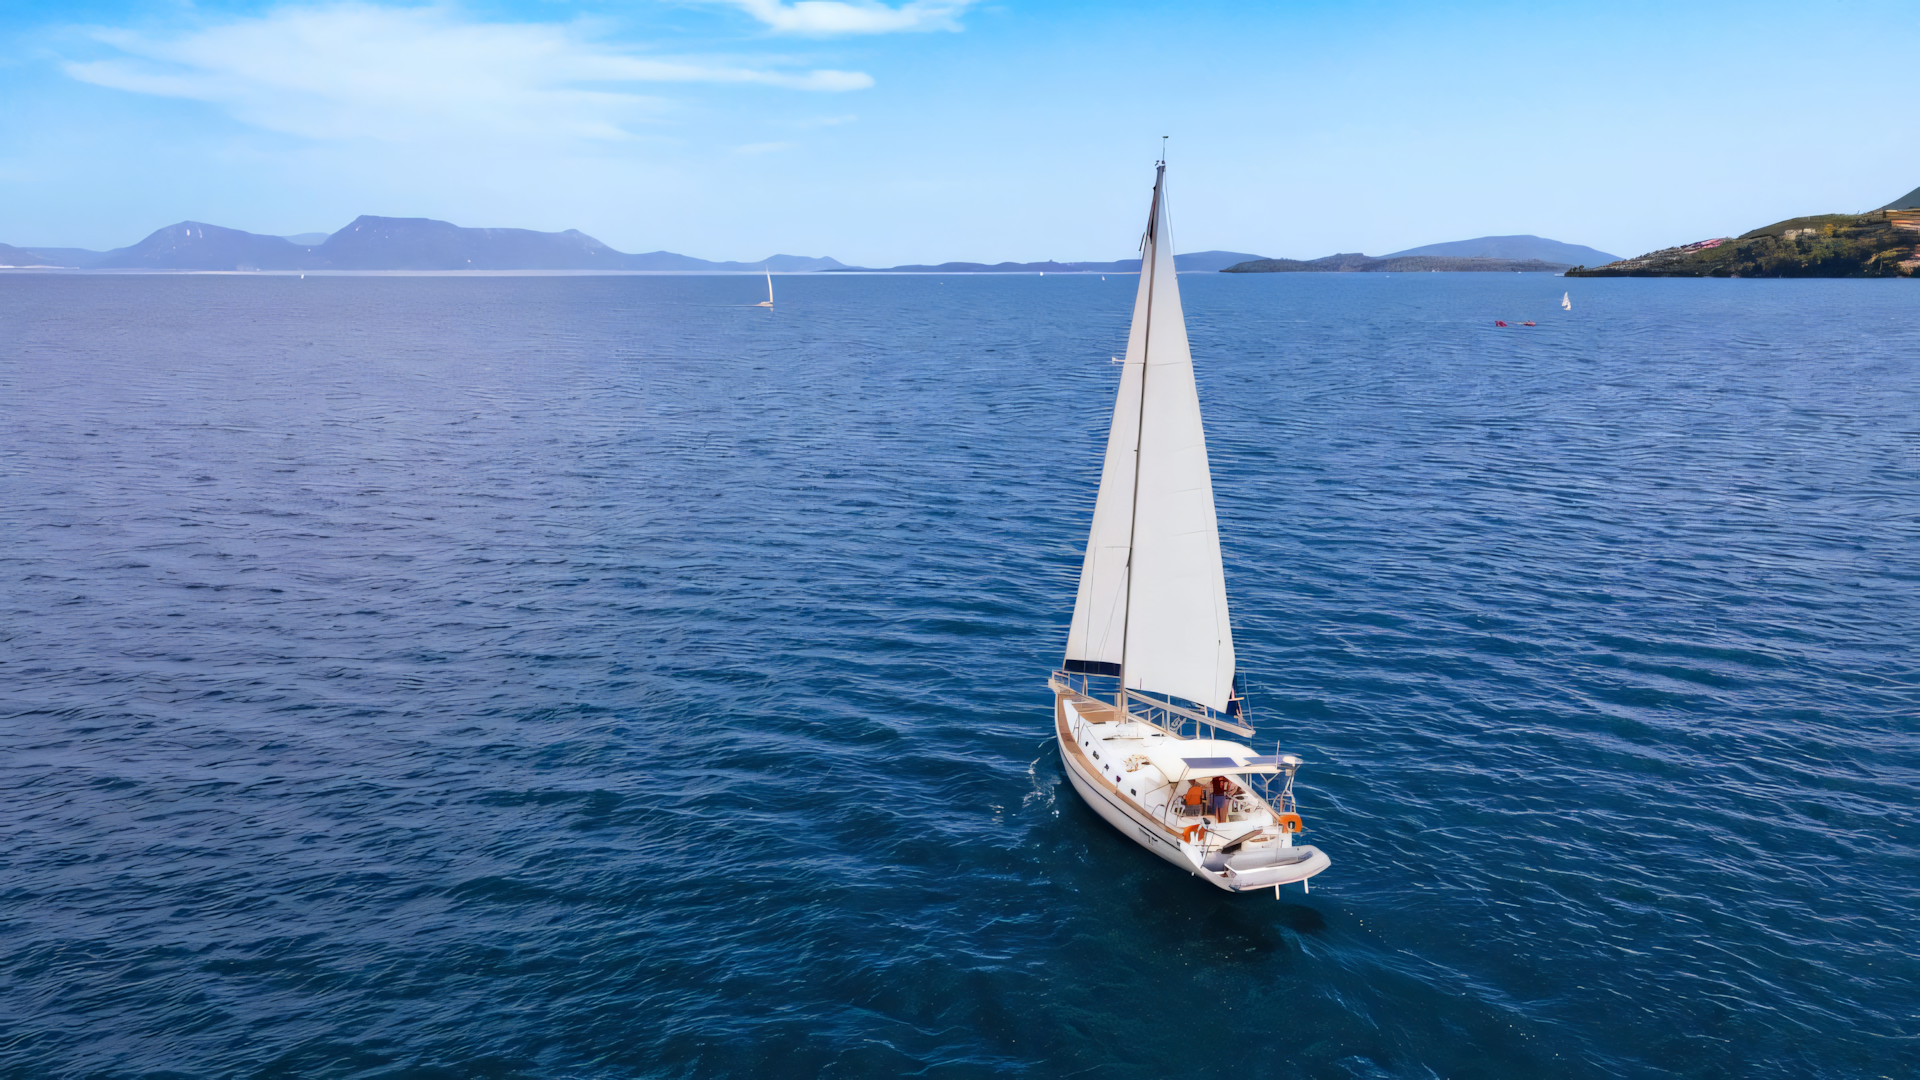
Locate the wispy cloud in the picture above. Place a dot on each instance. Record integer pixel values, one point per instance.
(825, 18)
(357, 70)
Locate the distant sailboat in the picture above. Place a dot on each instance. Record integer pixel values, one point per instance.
(1148, 685)
(1566, 302)
(768, 302)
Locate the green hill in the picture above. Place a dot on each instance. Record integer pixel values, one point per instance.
(1880, 243)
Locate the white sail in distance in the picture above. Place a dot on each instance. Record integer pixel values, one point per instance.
(1152, 605)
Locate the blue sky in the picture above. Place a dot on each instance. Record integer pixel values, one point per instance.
(946, 129)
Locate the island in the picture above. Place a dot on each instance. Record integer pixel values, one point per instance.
(1350, 263)
(1878, 243)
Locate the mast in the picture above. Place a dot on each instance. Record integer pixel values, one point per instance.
(1150, 262)
(1153, 547)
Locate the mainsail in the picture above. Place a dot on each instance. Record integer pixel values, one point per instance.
(1152, 606)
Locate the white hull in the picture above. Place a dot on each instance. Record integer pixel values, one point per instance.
(1141, 814)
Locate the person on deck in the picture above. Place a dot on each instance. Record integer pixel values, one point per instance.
(1196, 799)
(1223, 792)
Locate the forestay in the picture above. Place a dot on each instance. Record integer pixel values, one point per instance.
(1166, 629)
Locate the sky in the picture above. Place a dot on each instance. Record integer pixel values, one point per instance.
(929, 130)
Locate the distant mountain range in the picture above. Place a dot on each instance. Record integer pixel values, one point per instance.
(1909, 201)
(1523, 254)
(11, 256)
(381, 243)
(385, 243)
(1405, 264)
(1198, 260)
(1511, 247)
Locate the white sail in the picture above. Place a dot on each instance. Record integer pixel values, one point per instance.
(1153, 596)
(1097, 638)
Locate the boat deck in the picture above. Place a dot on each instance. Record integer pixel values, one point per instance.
(1092, 710)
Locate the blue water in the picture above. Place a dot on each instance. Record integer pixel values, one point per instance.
(600, 677)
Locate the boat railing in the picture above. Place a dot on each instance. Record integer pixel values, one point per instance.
(1179, 721)
(1098, 687)
(1191, 721)
(1276, 789)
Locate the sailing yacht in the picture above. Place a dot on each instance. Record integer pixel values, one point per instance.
(1146, 703)
(768, 302)
(1566, 301)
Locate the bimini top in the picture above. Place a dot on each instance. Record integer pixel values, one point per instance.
(1180, 760)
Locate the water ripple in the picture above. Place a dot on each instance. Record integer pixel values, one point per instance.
(602, 677)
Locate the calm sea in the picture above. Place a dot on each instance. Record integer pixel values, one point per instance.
(421, 677)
